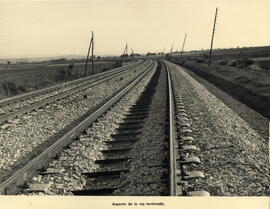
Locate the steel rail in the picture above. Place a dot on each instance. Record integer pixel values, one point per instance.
(35, 106)
(172, 135)
(63, 85)
(180, 174)
(13, 184)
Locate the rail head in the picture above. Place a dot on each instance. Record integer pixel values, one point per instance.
(172, 136)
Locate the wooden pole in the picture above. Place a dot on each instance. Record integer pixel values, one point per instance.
(183, 44)
(212, 39)
(90, 44)
(93, 70)
(172, 48)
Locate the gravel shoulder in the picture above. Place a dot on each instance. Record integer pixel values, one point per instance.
(234, 156)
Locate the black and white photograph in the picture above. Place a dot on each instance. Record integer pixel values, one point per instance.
(136, 98)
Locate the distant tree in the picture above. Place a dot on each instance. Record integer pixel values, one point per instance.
(118, 63)
(8, 62)
(124, 55)
(98, 57)
(70, 66)
(58, 60)
(150, 54)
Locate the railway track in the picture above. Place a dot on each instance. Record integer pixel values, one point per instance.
(14, 107)
(26, 136)
(13, 184)
(170, 169)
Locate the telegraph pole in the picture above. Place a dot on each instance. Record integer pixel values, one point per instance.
(132, 52)
(126, 50)
(183, 44)
(172, 48)
(163, 50)
(93, 71)
(90, 45)
(212, 40)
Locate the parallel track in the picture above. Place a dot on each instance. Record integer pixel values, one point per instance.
(63, 85)
(14, 184)
(82, 85)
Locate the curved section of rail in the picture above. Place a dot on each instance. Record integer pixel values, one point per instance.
(20, 177)
(91, 83)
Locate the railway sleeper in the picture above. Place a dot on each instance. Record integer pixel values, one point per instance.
(121, 150)
(198, 193)
(189, 160)
(141, 107)
(140, 111)
(119, 141)
(187, 148)
(186, 138)
(193, 174)
(112, 160)
(104, 173)
(135, 118)
(128, 128)
(185, 124)
(136, 114)
(126, 134)
(89, 192)
(38, 187)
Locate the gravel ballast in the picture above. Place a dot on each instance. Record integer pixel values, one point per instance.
(234, 156)
(148, 155)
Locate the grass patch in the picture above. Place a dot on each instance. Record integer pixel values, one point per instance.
(249, 86)
(21, 78)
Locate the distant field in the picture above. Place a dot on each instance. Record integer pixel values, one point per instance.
(20, 78)
(263, 62)
(262, 52)
(246, 78)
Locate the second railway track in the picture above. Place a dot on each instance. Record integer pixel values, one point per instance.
(34, 131)
(20, 105)
(76, 128)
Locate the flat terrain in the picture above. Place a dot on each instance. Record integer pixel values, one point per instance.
(246, 78)
(21, 78)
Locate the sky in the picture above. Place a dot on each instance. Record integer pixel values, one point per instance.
(53, 28)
